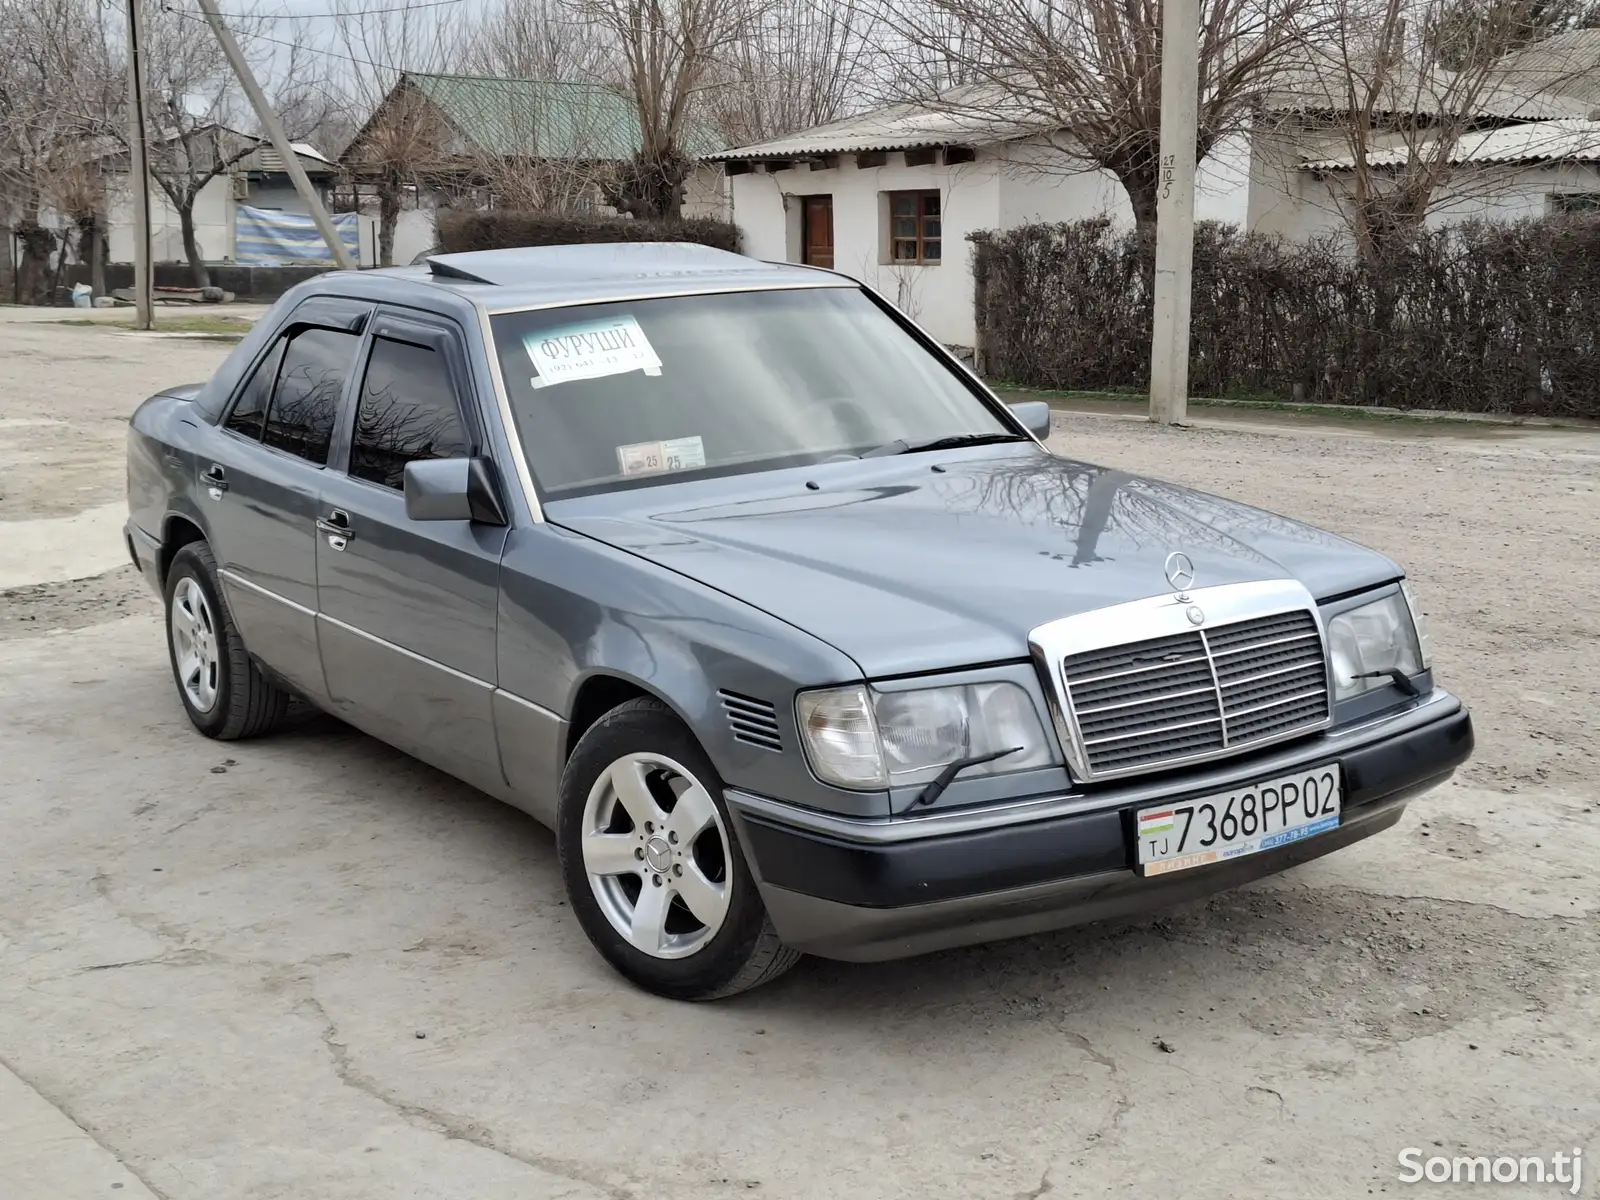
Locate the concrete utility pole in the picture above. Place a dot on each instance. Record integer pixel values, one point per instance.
(1169, 348)
(279, 139)
(139, 170)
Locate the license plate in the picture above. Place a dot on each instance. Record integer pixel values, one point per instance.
(1247, 820)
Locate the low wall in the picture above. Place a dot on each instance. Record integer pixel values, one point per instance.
(246, 283)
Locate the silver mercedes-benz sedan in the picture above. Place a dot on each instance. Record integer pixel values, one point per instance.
(797, 636)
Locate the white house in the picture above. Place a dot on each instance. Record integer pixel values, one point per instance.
(1540, 169)
(259, 179)
(1524, 152)
(461, 139)
(889, 197)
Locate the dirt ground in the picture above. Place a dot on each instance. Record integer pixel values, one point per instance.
(309, 967)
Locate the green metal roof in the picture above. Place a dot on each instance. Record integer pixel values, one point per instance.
(536, 118)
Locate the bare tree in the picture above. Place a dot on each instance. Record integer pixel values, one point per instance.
(1378, 95)
(195, 106)
(801, 63)
(1460, 28)
(400, 145)
(669, 50)
(57, 98)
(1091, 68)
(541, 39)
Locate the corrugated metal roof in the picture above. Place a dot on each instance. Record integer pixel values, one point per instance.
(986, 112)
(265, 157)
(1537, 141)
(534, 118)
(966, 116)
(1568, 64)
(1322, 84)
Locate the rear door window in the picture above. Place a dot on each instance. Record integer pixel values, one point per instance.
(316, 363)
(407, 411)
(250, 410)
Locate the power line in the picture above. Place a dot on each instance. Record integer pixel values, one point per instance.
(301, 46)
(307, 48)
(339, 16)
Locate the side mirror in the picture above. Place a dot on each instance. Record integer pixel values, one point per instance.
(1034, 415)
(453, 489)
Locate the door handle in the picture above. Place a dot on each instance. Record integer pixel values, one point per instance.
(215, 479)
(336, 525)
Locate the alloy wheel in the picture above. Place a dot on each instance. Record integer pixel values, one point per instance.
(194, 644)
(656, 855)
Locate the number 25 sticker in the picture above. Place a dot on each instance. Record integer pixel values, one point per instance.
(650, 458)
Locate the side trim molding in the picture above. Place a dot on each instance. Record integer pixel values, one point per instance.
(235, 578)
(324, 618)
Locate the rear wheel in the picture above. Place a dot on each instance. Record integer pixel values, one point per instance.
(224, 693)
(652, 867)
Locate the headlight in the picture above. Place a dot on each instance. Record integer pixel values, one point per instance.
(1367, 643)
(858, 737)
(1419, 620)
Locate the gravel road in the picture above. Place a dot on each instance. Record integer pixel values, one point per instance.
(311, 967)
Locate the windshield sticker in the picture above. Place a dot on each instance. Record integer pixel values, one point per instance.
(651, 458)
(614, 346)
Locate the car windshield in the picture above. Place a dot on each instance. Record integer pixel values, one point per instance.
(650, 391)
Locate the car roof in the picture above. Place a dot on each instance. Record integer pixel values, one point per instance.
(552, 276)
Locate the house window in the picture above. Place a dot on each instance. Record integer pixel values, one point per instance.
(914, 228)
(1567, 203)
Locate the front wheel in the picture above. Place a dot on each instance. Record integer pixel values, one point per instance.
(653, 870)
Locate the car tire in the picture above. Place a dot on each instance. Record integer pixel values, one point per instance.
(652, 864)
(225, 694)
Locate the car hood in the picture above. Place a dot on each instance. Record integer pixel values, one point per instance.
(923, 562)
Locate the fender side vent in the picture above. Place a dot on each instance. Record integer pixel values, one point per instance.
(753, 722)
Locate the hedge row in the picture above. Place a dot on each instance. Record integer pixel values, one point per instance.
(1497, 317)
(500, 229)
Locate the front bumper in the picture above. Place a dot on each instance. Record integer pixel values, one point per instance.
(866, 890)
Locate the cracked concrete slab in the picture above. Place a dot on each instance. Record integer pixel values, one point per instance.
(48, 549)
(46, 1155)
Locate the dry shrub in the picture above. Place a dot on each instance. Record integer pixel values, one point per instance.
(1480, 317)
(501, 229)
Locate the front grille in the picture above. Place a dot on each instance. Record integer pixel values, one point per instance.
(1203, 692)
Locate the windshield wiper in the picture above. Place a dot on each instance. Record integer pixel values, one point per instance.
(946, 777)
(1395, 676)
(902, 446)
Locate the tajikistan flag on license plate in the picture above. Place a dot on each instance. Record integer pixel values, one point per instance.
(1152, 823)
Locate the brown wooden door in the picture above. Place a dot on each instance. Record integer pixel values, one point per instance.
(816, 231)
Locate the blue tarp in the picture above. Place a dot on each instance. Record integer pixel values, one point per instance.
(268, 238)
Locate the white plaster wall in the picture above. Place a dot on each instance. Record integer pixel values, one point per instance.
(1044, 183)
(705, 192)
(1313, 206)
(767, 210)
(1222, 182)
(213, 219)
(280, 196)
(1005, 186)
(1509, 193)
(1040, 183)
(413, 233)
